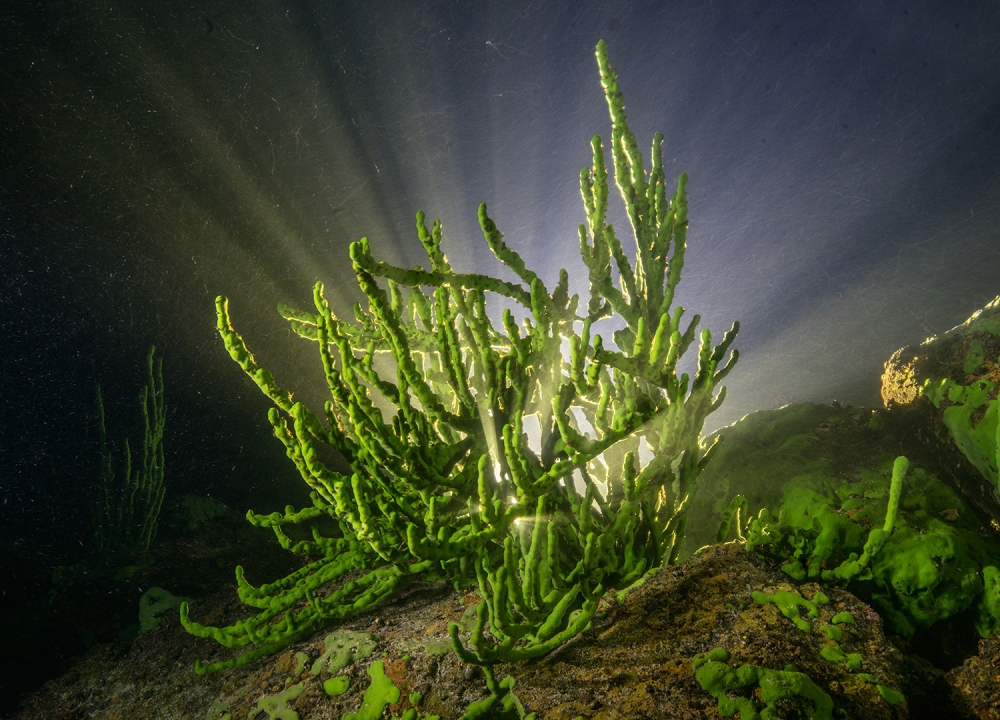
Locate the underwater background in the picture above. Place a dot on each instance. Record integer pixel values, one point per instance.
(844, 163)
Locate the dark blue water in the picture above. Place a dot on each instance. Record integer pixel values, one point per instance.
(844, 163)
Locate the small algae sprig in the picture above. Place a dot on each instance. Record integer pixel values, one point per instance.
(129, 496)
(452, 486)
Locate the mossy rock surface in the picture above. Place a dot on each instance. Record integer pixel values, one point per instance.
(636, 661)
(965, 353)
(823, 474)
(948, 385)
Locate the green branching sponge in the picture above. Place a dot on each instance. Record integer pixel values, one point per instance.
(453, 485)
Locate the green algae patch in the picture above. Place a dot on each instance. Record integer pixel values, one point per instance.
(715, 655)
(971, 418)
(380, 693)
(342, 648)
(300, 663)
(970, 411)
(788, 604)
(820, 499)
(927, 577)
(412, 714)
(336, 685)
(843, 618)
(219, 710)
(989, 604)
(276, 706)
(717, 678)
(833, 632)
(890, 695)
(834, 654)
(974, 357)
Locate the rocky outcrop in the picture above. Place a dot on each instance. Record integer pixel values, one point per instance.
(636, 661)
(975, 687)
(965, 353)
(947, 387)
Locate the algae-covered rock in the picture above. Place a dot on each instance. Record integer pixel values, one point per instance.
(637, 660)
(642, 659)
(817, 481)
(966, 352)
(950, 383)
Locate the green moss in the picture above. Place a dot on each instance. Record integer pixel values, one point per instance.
(719, 679)
(834, 654)
(971, 418)
(974, 357)
(380, 693)
(412, 714)
(218, 711)
(336, 685)
(789, 603)
(342, 648)
(832, 632)
(832, 510)
(276, 706)
(891, 696)
(300, 663)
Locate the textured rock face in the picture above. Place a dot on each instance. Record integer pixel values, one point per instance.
(636, 661)
(948, 384)
(963, 354)
(824, 474)
(976, 684)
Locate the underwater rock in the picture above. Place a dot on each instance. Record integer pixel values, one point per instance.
(975, 685)
(636, 661)
(816, 479)
(948, 384)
